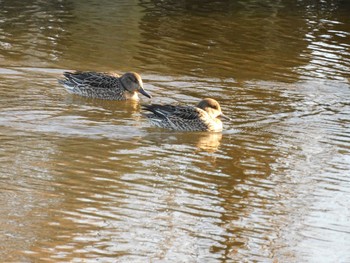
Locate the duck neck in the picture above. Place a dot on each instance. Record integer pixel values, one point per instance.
(123, 86)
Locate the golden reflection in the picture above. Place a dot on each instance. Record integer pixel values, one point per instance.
(209, 142)
(129, 106)
(199, 141)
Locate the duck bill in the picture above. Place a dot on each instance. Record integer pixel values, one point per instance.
(143, 92)
(225, 117)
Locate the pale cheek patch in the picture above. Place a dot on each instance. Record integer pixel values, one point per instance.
(133, 96)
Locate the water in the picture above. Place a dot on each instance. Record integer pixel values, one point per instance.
(85, 180)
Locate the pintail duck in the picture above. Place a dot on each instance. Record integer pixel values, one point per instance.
(104, 86)
(203, 117)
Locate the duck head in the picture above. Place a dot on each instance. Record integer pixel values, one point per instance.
(132, 82)
(212, 107)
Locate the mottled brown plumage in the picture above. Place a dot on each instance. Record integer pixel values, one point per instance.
(203, 117)
(104, 86)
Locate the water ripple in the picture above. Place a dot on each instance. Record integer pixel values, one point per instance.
(91, 180)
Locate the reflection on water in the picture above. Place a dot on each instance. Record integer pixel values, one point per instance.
(89, 180)
(215, 30)
(31, 34)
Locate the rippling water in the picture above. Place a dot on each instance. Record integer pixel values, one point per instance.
(86, 180)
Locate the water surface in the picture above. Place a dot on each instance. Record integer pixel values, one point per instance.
(86, 180)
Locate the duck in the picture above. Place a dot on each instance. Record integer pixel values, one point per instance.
(103, 85)
(203, 117)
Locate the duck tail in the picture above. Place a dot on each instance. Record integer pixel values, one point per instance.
(161, 111)
(66, 84)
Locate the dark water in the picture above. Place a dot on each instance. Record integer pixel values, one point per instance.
(90, 181)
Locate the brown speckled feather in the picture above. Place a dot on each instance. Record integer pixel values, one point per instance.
(185, 118)
(103, 86)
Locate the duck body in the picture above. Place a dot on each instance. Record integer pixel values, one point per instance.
(104, 86)
(203, 117)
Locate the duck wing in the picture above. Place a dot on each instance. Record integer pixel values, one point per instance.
(170, 111)
(92, 79)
